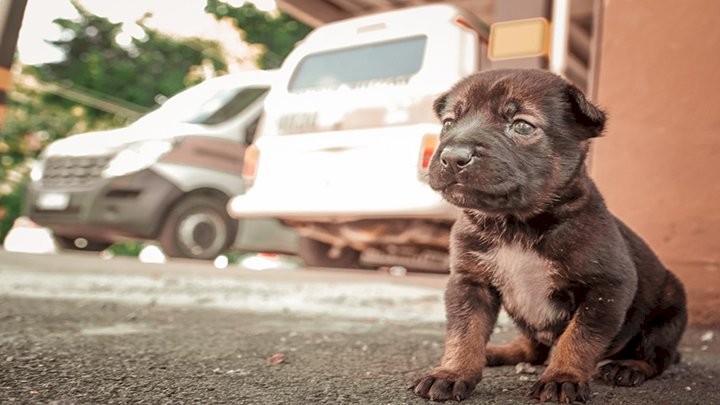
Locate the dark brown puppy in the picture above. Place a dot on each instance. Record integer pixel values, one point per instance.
(536, 237)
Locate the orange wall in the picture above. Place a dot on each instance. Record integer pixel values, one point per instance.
(658, 164)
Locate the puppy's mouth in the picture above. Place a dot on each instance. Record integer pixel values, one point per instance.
(489, 197)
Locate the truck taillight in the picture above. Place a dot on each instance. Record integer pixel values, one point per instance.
(429, 144)
(250, 162)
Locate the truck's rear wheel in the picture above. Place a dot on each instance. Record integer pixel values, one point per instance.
(198, 228)
(318, 254)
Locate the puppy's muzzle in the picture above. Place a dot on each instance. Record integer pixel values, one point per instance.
(457, 157)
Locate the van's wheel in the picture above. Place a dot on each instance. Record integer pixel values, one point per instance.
(80, 244)
(317, 254)
(198, 227)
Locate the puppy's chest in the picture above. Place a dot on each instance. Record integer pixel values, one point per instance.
(526, 282)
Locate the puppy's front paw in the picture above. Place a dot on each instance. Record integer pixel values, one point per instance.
(626, 373)
(565, 392)
(442, 384)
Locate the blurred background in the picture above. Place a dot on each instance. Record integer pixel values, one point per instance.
(88, 66)
(91, 66)
(219, 201)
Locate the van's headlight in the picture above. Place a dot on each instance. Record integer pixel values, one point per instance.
(36, 173)
(136, 157)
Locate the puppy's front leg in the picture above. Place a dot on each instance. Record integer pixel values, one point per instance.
(573, 362)
(472, 309)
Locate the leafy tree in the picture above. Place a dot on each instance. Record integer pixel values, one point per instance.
(278, 33)
(149, 66)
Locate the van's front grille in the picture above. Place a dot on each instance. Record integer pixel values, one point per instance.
(74, 170)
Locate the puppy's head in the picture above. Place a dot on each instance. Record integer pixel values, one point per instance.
(511, 140)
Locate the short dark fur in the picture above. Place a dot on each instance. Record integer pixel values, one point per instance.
(533, 221)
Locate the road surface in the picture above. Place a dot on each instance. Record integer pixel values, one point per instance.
(79, 329)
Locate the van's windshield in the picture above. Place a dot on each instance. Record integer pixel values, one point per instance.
(208, 105)
(374, 63)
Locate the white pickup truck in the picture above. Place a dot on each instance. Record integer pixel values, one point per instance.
(347, 134)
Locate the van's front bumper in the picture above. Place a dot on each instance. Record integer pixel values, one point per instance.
(113, 209)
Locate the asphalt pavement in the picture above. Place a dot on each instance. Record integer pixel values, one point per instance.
(79, 329)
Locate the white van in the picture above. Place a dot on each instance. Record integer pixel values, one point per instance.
(167, 177)
(348, 132)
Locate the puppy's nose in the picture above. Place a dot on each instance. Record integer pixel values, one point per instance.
(456, 157)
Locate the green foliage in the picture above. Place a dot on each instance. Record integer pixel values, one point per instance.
(130, 248)
(278, 33)
(35, 116)
(152, 65)
(11, 206)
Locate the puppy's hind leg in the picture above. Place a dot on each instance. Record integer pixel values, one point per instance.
(520, 350)
(654, 349)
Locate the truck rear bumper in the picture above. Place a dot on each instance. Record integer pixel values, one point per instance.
(333, 205)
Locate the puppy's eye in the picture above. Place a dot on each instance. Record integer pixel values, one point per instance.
(521, 127)
(447, 124)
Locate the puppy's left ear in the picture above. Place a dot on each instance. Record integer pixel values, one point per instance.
(585, 112)
(440, 103)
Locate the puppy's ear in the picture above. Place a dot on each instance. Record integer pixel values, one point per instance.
(585, 112)
(440, 103)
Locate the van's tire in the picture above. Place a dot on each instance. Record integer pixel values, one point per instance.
(198, 227)
(68, 243)
(316, 254)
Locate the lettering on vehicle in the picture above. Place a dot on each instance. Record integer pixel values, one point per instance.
(297, 122)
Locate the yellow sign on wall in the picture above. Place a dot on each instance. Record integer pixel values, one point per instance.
(519, 39)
